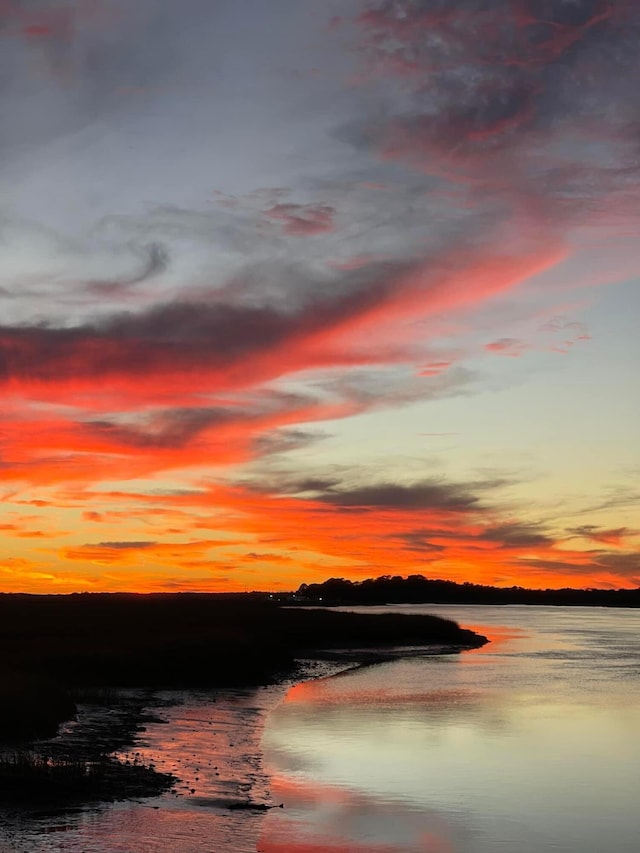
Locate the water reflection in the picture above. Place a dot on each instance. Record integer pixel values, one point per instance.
(528, 744)
(211, 741)
(325, 819)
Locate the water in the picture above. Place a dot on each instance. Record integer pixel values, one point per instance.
(529, 744)
(211, 741)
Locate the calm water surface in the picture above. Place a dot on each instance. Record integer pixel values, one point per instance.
(529, 744)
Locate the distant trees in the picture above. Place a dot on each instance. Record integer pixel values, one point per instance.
(416, 589)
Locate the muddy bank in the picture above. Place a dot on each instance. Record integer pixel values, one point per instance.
(209, 741)
(79, 764)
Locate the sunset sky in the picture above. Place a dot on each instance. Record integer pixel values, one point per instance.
(294, 289)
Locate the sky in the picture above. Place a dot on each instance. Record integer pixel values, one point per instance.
(292, 290)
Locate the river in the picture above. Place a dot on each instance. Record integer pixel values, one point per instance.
(527, 745)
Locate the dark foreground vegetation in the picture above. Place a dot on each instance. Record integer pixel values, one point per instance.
(417, 589)
(56, 651)
(29, 777)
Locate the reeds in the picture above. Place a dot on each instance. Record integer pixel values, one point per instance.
(31, 777)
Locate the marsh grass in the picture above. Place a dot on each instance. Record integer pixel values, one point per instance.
(31, 777)
(32, 705)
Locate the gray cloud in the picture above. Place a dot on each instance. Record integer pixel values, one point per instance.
(601, 534)
(167, 429)
(303, 220)
(155, 261)
(419, 540)
(284, 441)
(515, 535)
(429, 494)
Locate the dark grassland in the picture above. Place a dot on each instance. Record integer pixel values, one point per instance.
(56, 650)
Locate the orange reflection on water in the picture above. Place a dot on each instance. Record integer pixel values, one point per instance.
(498, 636)
(329, 819)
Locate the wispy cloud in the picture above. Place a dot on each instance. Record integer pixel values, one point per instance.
(300, 220)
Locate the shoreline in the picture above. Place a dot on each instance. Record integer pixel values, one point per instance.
(110, 657)
(108, 738)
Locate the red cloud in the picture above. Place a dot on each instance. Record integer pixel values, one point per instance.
(508, 346)
(435, 368)
(210, 347)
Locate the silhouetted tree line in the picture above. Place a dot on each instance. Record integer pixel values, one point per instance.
(416, 589)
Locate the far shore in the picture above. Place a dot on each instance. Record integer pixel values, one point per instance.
(57, 652)
(418, 589)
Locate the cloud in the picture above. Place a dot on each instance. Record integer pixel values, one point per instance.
(91, 515)
(429, 494)
(130, 552)
(507, 346)
(420, 541)
(501, 100)
(303, 220)
(610, 566)
(156, 261)
(614, 536)
(618, 497)
(516, 535)
(165, 429)
(215, 340)
(435, 368)
(282, 441)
